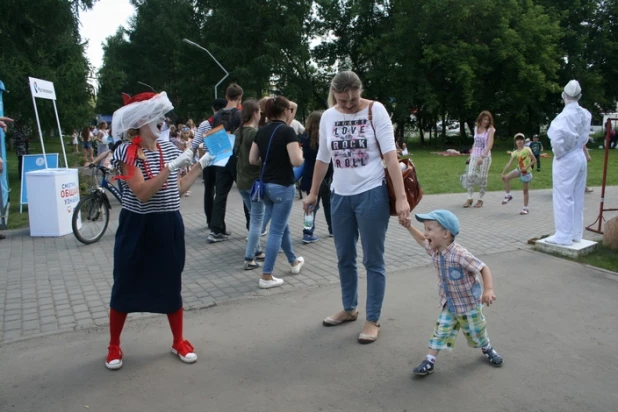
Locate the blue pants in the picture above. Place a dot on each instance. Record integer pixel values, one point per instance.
(256, 212)
(278, 200)
(366, 214)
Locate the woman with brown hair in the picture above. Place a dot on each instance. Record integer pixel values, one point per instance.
(276, 147)
(309, 141)
(480, 157)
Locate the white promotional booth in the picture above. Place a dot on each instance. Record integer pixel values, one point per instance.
(52, 193)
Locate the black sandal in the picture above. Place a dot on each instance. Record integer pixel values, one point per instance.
(424, 369)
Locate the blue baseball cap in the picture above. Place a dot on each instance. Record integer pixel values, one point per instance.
(445, 218)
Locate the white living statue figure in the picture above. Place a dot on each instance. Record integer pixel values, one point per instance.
(568, 134)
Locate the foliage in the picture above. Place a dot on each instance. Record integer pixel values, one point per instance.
(42, 40)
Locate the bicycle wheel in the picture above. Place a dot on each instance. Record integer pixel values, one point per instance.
(94, 219)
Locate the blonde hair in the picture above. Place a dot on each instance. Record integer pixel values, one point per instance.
(343, 82)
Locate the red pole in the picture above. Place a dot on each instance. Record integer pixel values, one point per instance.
(607, 139)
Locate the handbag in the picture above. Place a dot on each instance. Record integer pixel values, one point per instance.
(257, 190)
(411, 186)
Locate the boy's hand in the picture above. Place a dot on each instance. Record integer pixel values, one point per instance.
(488, 297)
(407, 223)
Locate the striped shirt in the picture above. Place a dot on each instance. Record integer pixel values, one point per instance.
(166, 199)
(203, 128)
(462, 290)
(480, 143)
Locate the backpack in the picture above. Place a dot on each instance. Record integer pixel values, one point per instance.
(229, 119)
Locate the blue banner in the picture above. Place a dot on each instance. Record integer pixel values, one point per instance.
(4, 177)
(33, 162)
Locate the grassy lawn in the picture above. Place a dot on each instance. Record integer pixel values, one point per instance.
(440, 174)
(604, 258)
(19, 220)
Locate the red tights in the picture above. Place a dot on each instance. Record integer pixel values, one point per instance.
(117, 319)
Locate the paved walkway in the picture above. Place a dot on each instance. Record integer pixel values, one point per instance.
(49, 285)
(552, 322)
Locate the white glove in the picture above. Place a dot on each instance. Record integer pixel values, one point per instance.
(183, 160)
(206, 160)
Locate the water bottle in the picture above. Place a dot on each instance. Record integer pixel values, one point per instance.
(308, 225)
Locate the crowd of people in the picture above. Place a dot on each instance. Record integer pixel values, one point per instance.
(345, 152)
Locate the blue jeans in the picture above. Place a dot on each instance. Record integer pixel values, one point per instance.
(256, 212)
(278, 200)
(366, 214)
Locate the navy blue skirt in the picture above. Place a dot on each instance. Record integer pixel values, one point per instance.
(149, 257)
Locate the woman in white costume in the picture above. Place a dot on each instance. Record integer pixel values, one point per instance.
(568, 134)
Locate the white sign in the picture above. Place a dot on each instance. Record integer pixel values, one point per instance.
(42, 89)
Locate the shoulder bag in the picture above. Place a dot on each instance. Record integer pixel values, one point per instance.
(412, 187)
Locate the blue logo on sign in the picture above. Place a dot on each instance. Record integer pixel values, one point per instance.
(36, 87)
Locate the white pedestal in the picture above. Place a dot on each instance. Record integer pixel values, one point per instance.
(574, 251)
(52, 196)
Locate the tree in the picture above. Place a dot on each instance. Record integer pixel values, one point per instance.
(42, 41)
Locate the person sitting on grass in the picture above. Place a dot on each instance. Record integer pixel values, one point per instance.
(461, 295)
(525, 163)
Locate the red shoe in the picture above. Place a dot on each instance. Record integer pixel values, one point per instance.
(114, 358)
(185, 351)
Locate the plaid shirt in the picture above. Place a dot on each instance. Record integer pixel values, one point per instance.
(462, 291)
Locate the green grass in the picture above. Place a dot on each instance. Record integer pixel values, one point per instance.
(440, 174)
(18, 220)
(603, 257)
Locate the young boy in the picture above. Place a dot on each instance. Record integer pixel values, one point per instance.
(461, 295)
(537, 148)
(525, 163)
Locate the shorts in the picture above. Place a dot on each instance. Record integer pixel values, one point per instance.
(527, 178)
(88, 145)
(473, 326)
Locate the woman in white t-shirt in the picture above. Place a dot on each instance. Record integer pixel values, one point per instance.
(359, 201)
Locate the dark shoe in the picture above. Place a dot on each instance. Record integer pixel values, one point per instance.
(2, 236)
(424, 369)
(309, 239)
(216, 237)
(251, 265)
(260, 257)
(494, 358)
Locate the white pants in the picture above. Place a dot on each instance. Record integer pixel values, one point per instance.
(482, 171)
(569, 183)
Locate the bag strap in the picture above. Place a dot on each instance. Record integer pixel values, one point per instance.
(267, 152)
(370, 116)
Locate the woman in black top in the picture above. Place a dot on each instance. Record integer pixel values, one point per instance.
(276, 144)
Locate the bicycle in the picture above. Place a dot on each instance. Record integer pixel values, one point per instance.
(91, 215)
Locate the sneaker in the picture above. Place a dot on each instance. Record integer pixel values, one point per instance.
(524, 211)
(264, 233)
(216, 237)
(251, 265)
(507, 199)
(494, 358)
(330, 234)
(227, 232)
(185, 351)
(296, 269)
(114, 357)
(424, 369)
(268, 284)
(309, 239)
